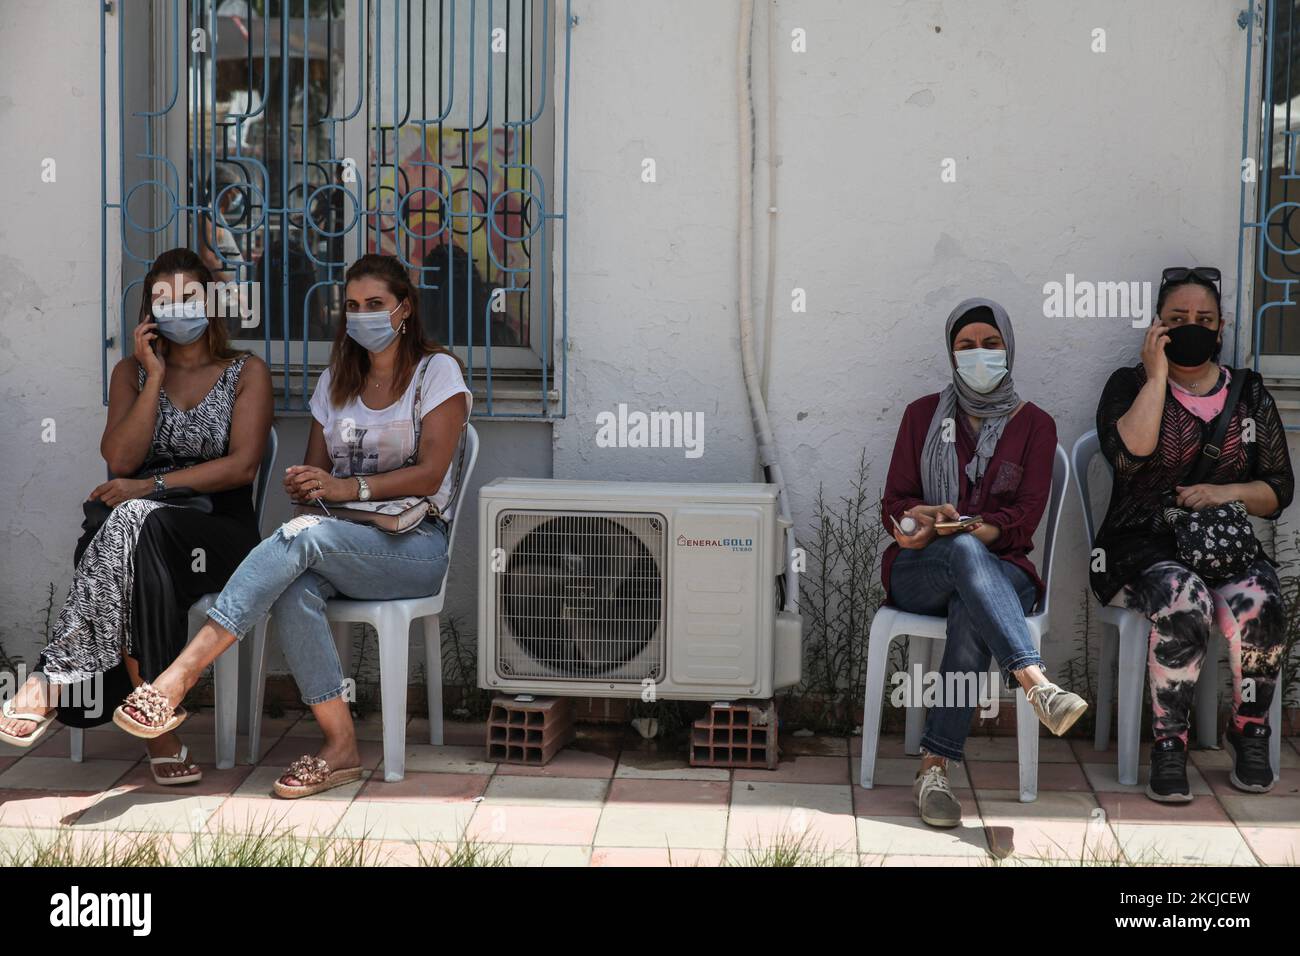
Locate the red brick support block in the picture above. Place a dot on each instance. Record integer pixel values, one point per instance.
(529, 732)
(740, 735)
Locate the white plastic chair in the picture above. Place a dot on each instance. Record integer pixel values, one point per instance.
(392, 623)
(925, 632)
(226, 668)
(1125, 637)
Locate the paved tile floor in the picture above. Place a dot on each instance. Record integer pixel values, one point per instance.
(612, 799)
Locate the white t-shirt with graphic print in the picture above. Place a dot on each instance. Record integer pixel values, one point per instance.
(366, 441)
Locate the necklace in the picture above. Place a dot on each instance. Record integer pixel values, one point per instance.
(1195, 387)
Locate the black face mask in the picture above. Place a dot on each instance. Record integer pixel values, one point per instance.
(1191, 345)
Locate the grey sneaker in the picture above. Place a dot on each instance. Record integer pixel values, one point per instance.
(935, 799)
(1057, 709)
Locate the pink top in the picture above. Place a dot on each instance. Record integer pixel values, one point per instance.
(1204, 407)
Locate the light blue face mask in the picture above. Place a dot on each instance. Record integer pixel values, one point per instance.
(373, 331)
(181, 322)
(982, 369)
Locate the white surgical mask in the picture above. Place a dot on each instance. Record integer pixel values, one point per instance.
(181, 322)
(982, 369)
(373, 331)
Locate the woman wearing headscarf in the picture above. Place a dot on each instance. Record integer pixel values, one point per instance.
(972, 451)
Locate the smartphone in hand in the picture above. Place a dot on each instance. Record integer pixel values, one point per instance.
(962, 524)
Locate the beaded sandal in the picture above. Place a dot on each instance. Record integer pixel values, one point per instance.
(159, 718)
(314, 776)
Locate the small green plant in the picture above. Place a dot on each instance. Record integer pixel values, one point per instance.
(460, 670)
(839, 595)
(366, 698)
(784, 849)
(466, 853)
(1079, 673)
(263, 844)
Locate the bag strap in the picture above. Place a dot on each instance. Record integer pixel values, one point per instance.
(416, 414)
(417, 419)
(1213, 448)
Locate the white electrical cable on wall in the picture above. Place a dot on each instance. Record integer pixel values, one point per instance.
(767, 454)
(769, 294)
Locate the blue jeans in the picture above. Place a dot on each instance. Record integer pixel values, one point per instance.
(985, 600)
(292, 574)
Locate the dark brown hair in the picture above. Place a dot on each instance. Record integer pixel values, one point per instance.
(187, 263)
(349, 362)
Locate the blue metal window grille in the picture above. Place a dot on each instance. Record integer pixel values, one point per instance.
(282, 139)
(1272, 236)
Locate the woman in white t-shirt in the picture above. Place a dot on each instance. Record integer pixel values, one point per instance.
(389, 415)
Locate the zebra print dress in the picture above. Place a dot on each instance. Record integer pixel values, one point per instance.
(95, 626)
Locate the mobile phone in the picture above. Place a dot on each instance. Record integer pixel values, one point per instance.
(961, 524)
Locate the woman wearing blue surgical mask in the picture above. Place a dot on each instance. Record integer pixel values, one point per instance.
(389, 415)
(188, 420)
(976, 451)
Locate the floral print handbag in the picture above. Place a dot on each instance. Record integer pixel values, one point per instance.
(1219, 542)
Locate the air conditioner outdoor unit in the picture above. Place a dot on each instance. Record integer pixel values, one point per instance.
(604, 588)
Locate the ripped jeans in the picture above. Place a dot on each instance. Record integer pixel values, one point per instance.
(309, 560)
(985, 600)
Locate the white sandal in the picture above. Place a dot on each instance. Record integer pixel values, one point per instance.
(171, 781)
(42, 724)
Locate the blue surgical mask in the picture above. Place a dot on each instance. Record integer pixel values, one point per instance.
(982, 369)
(181, 322)
(373, 331)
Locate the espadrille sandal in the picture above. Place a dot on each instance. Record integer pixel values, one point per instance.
(151, 704)
(314, 776)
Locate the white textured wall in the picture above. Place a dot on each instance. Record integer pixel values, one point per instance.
(1067, 161)
(49, 303)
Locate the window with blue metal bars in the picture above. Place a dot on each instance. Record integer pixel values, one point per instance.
(282, 139)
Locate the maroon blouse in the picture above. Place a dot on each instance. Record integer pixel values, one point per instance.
(1012, 494)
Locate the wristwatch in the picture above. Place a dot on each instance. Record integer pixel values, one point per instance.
(363, 489)
(158, 484)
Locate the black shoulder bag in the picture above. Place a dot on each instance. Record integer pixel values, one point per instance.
(1217, 543)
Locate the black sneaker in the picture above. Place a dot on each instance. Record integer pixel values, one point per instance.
(1167, 782)
(1252, 770)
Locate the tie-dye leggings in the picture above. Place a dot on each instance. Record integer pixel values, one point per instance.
(1248, 611)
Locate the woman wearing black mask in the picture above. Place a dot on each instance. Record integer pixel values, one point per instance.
(1157, 423)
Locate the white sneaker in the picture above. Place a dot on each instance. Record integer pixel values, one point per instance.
(935, 799)
(1057, 709)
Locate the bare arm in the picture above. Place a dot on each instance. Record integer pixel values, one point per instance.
(1258, 496)
(1139, 427)
(128, 429)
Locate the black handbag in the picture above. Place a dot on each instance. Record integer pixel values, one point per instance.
(1218, 543)
(96, 512)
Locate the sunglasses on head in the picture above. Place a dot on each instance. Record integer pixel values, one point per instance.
(1207, 275)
